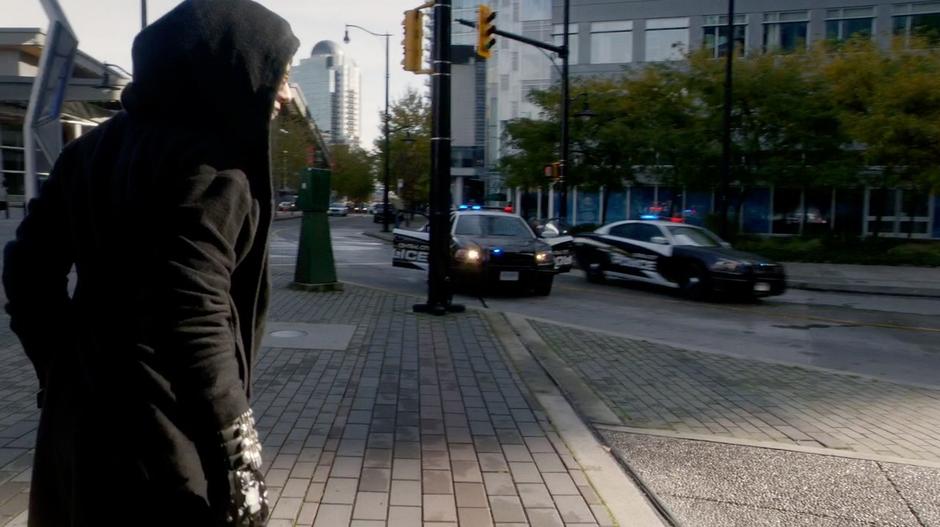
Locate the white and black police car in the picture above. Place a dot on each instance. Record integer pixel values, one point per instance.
(490, 247)
(676, 255)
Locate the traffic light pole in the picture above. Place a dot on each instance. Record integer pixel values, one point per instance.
(565, 110)
(439, 287)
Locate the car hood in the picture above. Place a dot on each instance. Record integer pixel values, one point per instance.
(717, 253)
(503, 242)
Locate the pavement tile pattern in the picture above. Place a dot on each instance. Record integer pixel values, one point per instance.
(708, 484)
(660, 387)
(420, 422)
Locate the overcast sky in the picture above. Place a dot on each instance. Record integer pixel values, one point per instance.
(106, 29)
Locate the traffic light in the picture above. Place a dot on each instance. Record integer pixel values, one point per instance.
(414, 39)
(556, 171)
(485, 31)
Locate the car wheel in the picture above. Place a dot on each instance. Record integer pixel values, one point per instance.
(543, 285)
(594, 273)
(695, 282)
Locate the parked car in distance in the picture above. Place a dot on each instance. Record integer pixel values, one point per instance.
(287, 206)
(678, 256)
(379, 211)
(337, 209)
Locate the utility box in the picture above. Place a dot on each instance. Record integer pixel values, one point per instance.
(315, 269)
(314, 195)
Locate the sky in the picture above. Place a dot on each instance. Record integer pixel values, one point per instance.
(106, 30)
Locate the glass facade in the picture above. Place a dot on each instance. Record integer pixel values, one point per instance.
(588, 207)
(616, 208)
(786, 31)
(611, 42)
(917, 20)
(557, 34)
(715, 34)
(842, 24)
(756, 216)
(666, 39)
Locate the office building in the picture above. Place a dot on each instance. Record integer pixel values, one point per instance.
(330, 82)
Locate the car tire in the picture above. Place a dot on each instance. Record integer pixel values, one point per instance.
(595, 275)
(695, 282)
(543, 285)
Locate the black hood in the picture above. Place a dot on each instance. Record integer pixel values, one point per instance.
(213, 67)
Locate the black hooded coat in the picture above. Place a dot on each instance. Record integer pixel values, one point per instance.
(164, 212)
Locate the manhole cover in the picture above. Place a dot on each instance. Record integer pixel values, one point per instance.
(288, 334)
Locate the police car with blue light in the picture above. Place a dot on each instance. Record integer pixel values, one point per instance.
(676, 255)
(490, 248)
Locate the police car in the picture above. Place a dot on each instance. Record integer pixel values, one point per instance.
(676, 255)
(490, 247)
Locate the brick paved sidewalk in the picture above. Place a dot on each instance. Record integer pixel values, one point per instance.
(419, 422)
(659, 387)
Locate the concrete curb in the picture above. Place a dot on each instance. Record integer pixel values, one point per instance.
(627, 503)
(832, 452)
(384, 236)
(864, 289)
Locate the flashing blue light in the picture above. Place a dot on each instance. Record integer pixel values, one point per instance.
(476, 207)
(463, 207)
(649, 217)
(497, 251)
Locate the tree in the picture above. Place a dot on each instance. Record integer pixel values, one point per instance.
(410, 145)
(291, 137)
(889, 102)
(353, 173)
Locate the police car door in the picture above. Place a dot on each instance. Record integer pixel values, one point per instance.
(634, 254)
(411, 247)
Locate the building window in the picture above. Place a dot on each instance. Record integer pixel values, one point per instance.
(716, 34)
(515, 61)
(504, 82)
(918, 20)
(843, 24)
(611, 42)
(785, 31)
(666, 39)
(558, 32)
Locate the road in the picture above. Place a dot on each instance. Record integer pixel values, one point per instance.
(891, 338)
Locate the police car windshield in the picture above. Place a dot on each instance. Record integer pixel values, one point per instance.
(693, 236)
(482, 225)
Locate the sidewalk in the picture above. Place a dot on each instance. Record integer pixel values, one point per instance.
(726, 441)
(374, 416)
(873, 279)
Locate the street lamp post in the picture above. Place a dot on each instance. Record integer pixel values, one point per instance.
(385, 178)
(143, 14)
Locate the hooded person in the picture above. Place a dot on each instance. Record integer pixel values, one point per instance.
(164, 212)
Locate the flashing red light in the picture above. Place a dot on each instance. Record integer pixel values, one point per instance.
(508, 208)
(676, 219)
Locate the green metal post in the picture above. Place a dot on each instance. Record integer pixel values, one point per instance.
(315, 269)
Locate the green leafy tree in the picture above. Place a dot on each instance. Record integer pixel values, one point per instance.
(353, 172)
(410, 145)
(291, 139)
(890, 104)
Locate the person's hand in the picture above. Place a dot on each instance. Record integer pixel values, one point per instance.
(247, 495)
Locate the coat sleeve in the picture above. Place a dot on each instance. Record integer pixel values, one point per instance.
(209, 228)
(36, 265)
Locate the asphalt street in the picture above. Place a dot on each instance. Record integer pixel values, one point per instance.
(886, 337)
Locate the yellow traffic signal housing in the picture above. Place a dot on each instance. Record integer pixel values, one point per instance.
(485, 31)
(413, 41)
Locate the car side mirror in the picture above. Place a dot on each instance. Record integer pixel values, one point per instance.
(548, 233)
(726, 245)
(659, 240)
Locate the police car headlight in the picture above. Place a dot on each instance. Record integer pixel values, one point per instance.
(543, 256)
(729, 266)
(468, 255)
